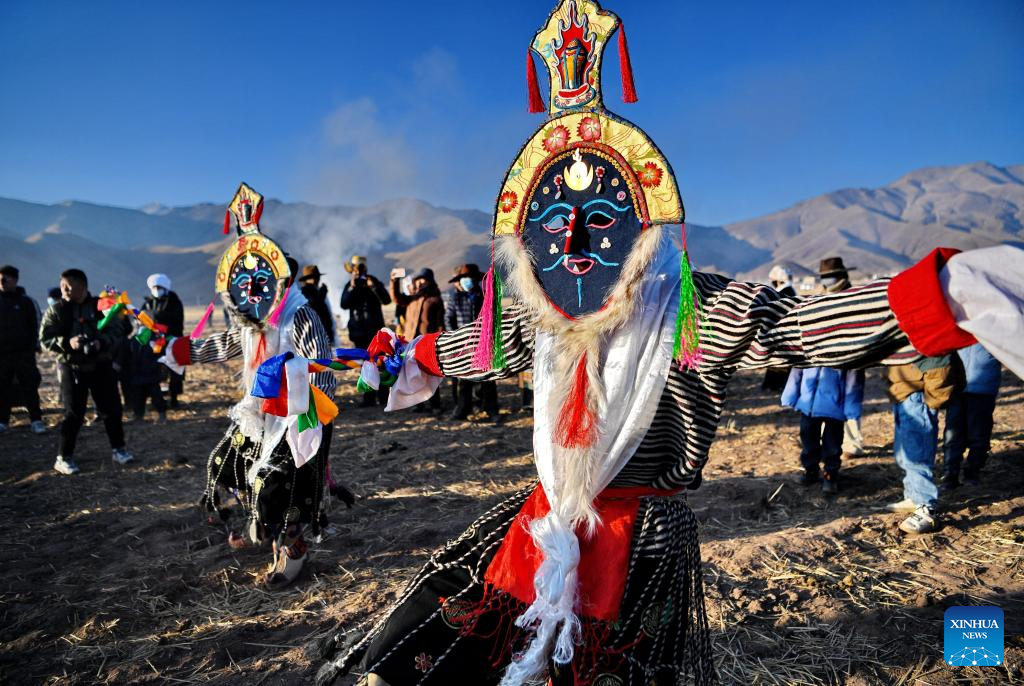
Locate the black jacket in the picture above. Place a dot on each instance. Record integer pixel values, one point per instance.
(19, 324)
(168, 311)
(366, 315)
(317, 299)
(64, 320)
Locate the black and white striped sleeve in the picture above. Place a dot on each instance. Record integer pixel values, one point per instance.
(310, 340)
(218, 347)
(455, 348)
(749, 326)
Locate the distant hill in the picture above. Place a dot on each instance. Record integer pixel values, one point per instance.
(880, 230)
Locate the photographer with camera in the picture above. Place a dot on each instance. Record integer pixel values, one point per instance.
(84, 354)
(364, 298)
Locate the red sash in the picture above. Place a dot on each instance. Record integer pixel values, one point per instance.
(604, 557)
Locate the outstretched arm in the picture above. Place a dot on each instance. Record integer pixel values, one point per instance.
(748, 326)
(451, 353)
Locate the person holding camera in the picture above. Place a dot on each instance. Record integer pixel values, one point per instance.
(364, 297)
(70, 330)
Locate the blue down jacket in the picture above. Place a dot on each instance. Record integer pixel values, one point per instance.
(825, 392)
(982, 370)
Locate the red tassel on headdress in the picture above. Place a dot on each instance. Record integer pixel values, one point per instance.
(259, 211)
(227, 221)
(576, 421)
(533, 89)
(628, 88)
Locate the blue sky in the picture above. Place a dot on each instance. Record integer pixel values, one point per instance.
(756, 104)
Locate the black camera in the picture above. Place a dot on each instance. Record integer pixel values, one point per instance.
(90, 346)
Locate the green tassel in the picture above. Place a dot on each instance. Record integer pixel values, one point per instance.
(362, 386)
(686, 347)
(144, 336)
(498, 357)
(387, 379)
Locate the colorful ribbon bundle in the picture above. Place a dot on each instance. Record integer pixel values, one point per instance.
(114, 304)
(282, 381)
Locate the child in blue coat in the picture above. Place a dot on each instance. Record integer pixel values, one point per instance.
(969, 418)
(826, 398)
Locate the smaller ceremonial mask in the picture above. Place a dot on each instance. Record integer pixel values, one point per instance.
(587, 183)
(253, 270)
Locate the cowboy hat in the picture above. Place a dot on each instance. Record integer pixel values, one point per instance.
(833, 266)
(470, 270)
(310, 272)
(356, 260)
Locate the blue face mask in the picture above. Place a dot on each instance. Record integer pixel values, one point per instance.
(467, 283)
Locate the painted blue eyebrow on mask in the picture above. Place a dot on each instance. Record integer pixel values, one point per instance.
(258, 272)
(602, 201)
(557, 205)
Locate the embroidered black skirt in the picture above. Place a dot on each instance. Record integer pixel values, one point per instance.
(281, 496)
(448, 628)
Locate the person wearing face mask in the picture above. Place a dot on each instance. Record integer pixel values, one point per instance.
(164, 306)
(424, 312)
(462, 308)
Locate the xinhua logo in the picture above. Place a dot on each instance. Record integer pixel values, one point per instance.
(973, 636)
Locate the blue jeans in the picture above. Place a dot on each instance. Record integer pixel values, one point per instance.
(914, 445)
(968, 428)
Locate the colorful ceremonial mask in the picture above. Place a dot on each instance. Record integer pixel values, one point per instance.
(253, 270)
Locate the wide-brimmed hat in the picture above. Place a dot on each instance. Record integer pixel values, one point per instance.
(833, 266)
(470, 270)
(310, 272)
(425, 273)
(350, 266)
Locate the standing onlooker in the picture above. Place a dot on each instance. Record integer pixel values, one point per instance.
(141, 378)
(164, 306)
(782, 280)
(19, 342)
(826, 398)
(969, 417)
(464, 303)
(918, 391)
(364, 297)
(316, 296)
(424, 312)
(70, 330)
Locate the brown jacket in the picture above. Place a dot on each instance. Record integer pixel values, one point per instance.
(938, 377)
(424, 313)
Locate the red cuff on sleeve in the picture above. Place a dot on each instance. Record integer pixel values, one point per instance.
(917, 300)
(425, 353)
(181, 351)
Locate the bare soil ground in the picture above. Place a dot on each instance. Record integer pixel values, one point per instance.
(114, 576)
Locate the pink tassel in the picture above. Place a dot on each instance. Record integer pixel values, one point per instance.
(198, 331)
(276, 314)
(485, 345)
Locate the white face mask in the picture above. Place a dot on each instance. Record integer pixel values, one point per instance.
(158, 291)
(829, 281)
(467, 283)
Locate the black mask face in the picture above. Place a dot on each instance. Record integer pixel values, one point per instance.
(252, 286)
(581, 224)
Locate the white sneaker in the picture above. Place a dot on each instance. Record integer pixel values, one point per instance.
(3, 427)
(38, 427)
(65, 465)
(920, 522)
(122, 456)
(905, 505)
